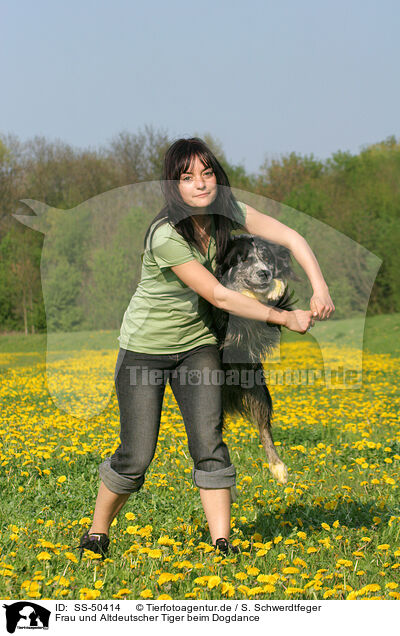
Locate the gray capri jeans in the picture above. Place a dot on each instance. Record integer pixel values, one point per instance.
(140, 381)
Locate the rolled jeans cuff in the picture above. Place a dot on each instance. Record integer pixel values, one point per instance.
(118, 484)
(223, 478)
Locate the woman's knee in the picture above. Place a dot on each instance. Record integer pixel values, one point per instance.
(120, 483)
(221, 478)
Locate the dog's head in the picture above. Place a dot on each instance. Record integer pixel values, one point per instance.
(257, 268)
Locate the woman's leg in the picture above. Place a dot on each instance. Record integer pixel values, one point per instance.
(198, 393)
(108, 505)
(217, 508)
(140, 403)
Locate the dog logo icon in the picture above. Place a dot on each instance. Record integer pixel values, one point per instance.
(26, 615)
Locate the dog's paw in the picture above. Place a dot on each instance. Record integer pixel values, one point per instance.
(277, 288)
(279, 472)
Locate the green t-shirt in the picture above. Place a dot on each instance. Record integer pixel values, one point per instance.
(165, 315)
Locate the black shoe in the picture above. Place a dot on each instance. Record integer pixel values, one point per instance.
(224, 546)
(97, 542)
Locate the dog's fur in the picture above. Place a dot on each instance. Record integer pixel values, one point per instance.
(260, 269)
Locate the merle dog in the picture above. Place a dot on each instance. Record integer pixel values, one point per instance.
(260, 269)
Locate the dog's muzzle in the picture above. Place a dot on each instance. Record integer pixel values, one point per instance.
(276, 289)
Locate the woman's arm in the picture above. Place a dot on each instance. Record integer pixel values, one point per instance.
(198, 278)
(272, 230)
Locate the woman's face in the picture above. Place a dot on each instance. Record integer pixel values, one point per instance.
(198, 186)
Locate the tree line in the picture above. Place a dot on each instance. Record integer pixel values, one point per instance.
(356, 194)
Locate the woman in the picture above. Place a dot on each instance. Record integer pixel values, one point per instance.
(166, 331)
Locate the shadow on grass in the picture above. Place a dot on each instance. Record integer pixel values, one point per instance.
(352, 514)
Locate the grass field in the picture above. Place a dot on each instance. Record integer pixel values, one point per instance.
(332, 532)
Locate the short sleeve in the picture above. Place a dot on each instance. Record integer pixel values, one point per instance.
(169, 248)
(240, 216)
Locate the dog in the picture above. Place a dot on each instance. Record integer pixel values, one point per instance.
(260, 269)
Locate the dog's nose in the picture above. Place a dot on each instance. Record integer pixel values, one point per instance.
(263, 274)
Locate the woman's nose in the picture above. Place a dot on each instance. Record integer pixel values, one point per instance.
(200, 183)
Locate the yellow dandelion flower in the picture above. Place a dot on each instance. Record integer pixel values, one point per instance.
(84, 521)
(294, 590)
(325, 526)
(183, 564)
(255, 590)
(344, 562)
(352, 596)
(132, 529)
(98, 585)
(62, 581)
(71, 557)
(392, 585)
(146, 593)
(298, 561)
(241, 576)
(154, 554)
(328, 593)
(44, 556)
(164, 597)
(61, 479)
(301, 535)
(129, 516)
(267, 578)
(290, 570)
(201, 580)
(269, 589)
(86, 593)
(253, 571)
(383, 546)
(227, 588)
(311, 550)
(277, 539)
(165, 540)
(372, 587)
(165, 577)
(213, 581)
(124, 592)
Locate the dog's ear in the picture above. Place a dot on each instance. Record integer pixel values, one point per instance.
(284, 263)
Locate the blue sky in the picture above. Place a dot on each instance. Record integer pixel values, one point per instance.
(263, 77)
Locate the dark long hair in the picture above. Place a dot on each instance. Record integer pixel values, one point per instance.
(177, 160)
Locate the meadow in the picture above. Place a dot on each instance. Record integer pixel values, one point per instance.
(331, 532)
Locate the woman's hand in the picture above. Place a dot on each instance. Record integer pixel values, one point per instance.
(299, 320)
(321, 305)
